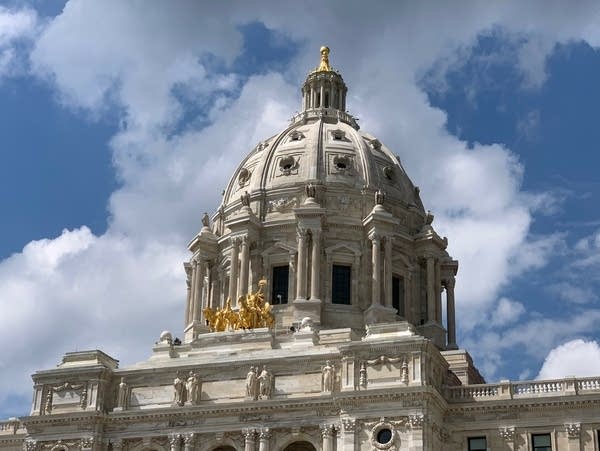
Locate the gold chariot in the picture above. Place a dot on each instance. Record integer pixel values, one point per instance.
(254, 312)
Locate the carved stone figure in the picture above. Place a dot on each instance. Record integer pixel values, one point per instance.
(328, 377)
(192, 387)
(245, 198)
(311, 191)
(362, 380)
(379, 197)
(122, 396)
(178, 391)
(252, 384)
(265, 381)
(205, 220)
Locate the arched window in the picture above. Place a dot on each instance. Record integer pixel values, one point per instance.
(300, 446)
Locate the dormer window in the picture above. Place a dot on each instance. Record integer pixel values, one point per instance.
(337, 135)
(296, 136)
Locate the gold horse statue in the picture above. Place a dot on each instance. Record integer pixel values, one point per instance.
(254, 312)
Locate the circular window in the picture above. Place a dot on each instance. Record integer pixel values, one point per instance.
(287, 165)
(244, 176)
(384, 436)
(341, 163)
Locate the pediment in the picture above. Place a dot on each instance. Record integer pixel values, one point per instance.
(279, 248)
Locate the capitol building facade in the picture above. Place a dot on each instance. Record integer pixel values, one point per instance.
(320, 315)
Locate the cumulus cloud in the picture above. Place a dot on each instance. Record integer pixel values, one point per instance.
(17, 26)
(575, 357)
(111, 57)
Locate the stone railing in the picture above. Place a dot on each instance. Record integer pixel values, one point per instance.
(12, 426)
(330, 112)
(522, 389)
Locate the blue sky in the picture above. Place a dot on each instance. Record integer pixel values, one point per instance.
(111, 153)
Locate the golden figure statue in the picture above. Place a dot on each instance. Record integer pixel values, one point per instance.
(253, 313)
(324, 66)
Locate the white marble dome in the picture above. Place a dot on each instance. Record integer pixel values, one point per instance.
(325, 148)
(328, 216)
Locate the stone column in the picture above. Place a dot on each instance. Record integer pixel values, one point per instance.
(431, 291)
(249, 439)
(188, 285)
(376, 264)
(233, 271)
(327, 433)
(438, 292)
(301, 270)
(349, 427)
(174, 441)
(198, 298)
(387, 268)
(190, 307)
(322, 99)
(188, 441)
(313, 96)
(450, 312)
(315, 273)
(264, 437)
(340, 96)
(245, 267)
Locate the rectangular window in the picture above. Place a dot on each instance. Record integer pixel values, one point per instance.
(477, 444)
(398, 294)
(279, 293)
(541, 442)
(340, 284)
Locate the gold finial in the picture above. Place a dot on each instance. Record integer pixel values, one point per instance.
(324, 66)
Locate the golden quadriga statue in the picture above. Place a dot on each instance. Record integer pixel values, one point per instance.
(253, 313)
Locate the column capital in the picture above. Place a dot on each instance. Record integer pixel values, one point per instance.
(449, 283)
(349, 424)
(174, 439)
(573, 430)
(327, 430)
(301, 233)
(507, 433)
(265, 433)
(374, 236)
(249, 433)
(189, 438)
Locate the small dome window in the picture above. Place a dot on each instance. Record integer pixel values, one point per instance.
(342, 164)
(288, 164)
(388, 172)
(244, 177)
(338, 135)
(296, 136)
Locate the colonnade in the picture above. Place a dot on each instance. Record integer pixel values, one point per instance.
(199, 296)
(197, 292)
(435, 286)
(314, 95)
(302, 266)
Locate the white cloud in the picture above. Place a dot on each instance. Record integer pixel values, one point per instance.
(573, 358)
(507, 311)
(16, 26)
